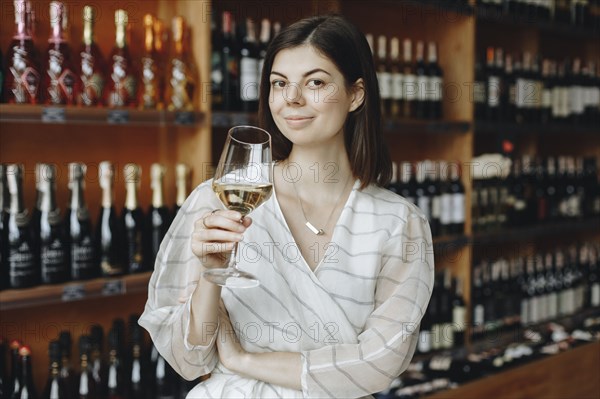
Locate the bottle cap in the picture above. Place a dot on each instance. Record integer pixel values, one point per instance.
(178, 26)
(65, 343)
(85, 345)
(89, 14)
(54, 351)
(25, 350)
(121, 17)
(56, 12)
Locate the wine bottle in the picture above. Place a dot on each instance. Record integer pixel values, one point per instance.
(493, 87)
(1, 77)
(457, 191)
(434, 310)
(158, 214)
(149, 87)
(407, 182)
(384, 77)
(14, 384)
(137, 376)
(508, 101)
(164, 379)
(431, 187)
(436, 84)
(96, 360)
(4, 201)
(478, 309)
(422, 82)
(459, 314)
(23, 80)
(132, 220)
(423, 200)
(55, 387)
(60, 80)
(115, 388)
(216, 64)
(446, 312)
(160, 49)
(108, 239)
(249, 68)
(479, 87)
(121, 87)
(264, 40)
(182, 182)
(53, 247)
(594, 276)
(92, 64)
(229, 63)
(396, 78)
(79, 228)
(409, 84)
(85, 383)
(23, 266)
(3, 377)
(546, 106)
(27, 390)
(66, 371)
(181, 71)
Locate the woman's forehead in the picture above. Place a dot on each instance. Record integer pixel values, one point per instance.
(301, 59)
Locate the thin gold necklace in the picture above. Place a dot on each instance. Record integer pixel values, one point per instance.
(308, 224)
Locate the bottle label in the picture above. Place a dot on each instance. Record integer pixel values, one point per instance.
(458, 208)
(478, 315)
(576, 100)
(61, 89)
(435, 89)
(180, 98)
(564, 102)
(424, 345)
(422, 87)
(52, 258)
(525, 94)
(446, 209)
(512, 94)
(410, 87)
(397, 84)
(26, 78)
(216, 75)
(556, 102)
(538, 94)
(124, 83)
(82, 257)
(385, 85)
(134, 250)
(493, 92)
(547, 98)
(459, 318)
(436, 207)
(595, 295)
(93, 82)
(525, 318)
(149, 98)
(248, 82)
(21, 262)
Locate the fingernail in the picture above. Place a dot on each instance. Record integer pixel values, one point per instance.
(240, 237)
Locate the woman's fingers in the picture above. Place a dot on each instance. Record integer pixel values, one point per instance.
(217, 235)
(226, 220)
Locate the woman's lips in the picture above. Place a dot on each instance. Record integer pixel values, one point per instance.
(298, 121)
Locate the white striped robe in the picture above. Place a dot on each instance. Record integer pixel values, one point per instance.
(354, 319)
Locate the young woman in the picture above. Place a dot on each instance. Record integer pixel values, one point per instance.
(345, 266)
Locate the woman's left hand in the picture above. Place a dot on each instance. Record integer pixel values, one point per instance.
(228, 345)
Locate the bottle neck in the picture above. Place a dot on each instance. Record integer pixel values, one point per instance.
(181, 192)
(120, 36)
(149, 39)
(157, 194)
(57, 32)
(131, 200)
(77, 200)
(21, 28)
(88, 33)
(47, 196)
(107, 196)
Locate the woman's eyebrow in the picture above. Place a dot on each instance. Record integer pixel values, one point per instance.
(305, 75)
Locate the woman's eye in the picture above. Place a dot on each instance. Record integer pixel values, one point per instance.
(315, 83)
(278, 84)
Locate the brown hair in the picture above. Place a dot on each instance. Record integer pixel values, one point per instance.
(341, 41)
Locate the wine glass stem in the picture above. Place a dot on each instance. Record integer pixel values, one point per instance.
(232, 259)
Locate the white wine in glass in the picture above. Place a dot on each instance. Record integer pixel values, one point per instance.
(243, 181)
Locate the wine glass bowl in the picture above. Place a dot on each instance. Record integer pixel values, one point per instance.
(243, 181)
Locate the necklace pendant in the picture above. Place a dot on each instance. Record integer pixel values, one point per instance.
(312, 228)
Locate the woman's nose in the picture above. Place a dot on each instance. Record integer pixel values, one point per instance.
(293, 94)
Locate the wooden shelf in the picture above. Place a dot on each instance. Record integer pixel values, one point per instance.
(546, 27)
(74, 291)
(448, 243)
(502, 128)
(455, 6)
(537, 231)
(21, 113)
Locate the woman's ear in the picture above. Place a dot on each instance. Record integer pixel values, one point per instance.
(358, 94)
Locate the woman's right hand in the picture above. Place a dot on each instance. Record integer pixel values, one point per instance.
(215, 234)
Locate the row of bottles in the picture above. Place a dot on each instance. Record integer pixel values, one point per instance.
(531, 89)
(61, 76)
(45, 247)
(584, 13)
(238, 51)
(436, 188)
(126, 369)
(409, 87)
(520, 291)
(444, 323)
(534, 191)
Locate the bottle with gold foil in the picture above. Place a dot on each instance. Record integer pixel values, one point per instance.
(60, 81)
(121, 85)
(92, 65)
(149, 79)
(182, 184)
(22, 82)
(133, 221)
(160, 47)
(181, 72)
(158, 217)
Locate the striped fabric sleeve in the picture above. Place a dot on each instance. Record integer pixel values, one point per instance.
(387, 343)
(166, 316)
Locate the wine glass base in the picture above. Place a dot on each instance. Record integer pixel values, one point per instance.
(231, 278)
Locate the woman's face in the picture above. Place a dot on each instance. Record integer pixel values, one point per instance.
(308, 97)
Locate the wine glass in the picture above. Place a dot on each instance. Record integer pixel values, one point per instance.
(243, 180)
